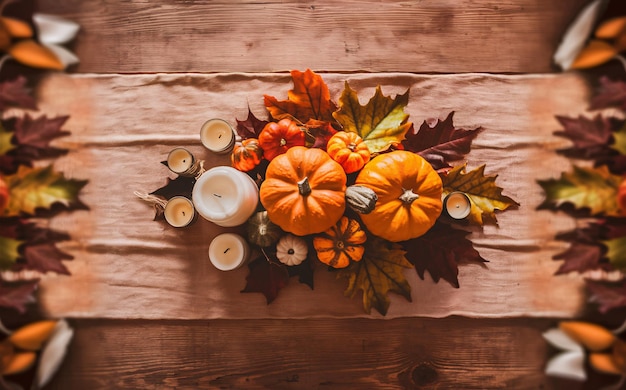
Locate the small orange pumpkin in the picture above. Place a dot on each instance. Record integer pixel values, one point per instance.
(277, 137)
(349, 150)
(246, 155)
(341, 244)
(304, 191)
(409, 195)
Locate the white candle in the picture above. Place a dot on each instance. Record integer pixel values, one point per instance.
(225, 196)
(457, 205)
(228, 251)
(182, 162)
(217, 136)
(179, 211)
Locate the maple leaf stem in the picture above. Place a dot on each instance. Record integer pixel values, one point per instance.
(408, 196)
(268, 258)
(304, 187)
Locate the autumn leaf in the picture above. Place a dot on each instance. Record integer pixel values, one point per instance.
(439, 142)
(580, 257)
(318, 133)
(45, 257)
(485, 195)
(309, 99)
(608, 296)
(611, 94)
(9, 253)
(590, 137)
(380, 271)
(251, 127)
(619, 143)
(304, 272)
(585, 188)
(181, 186)
(14, 93)
(40, 188)
(380, 122)
(616, 252)
(18, 294)
(39, 132)
(440, 252)
(266, 277)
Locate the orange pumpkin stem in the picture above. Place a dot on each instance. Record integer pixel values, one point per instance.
(408, 196)
(304, 187)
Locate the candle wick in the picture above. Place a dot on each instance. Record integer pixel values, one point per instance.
(184, 160)
(220, 136)
(227, 249)
(183, 213)
(218, 195)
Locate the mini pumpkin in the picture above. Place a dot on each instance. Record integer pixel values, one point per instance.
(349, 150)
(341, 243)
(291, 250)
(409, 195)
(246, 154)
(262, 231)
(304, 191)
(277, 137)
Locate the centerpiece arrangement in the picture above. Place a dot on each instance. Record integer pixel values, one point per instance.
(353, 187)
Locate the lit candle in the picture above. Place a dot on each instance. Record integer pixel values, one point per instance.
(225, 196)
(457, 205)
(179, 211)
(228, 251)
(182, 162)
(217, 136)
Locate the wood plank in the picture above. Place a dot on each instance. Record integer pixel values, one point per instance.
(123, 126)
(443, 36)
(450, 353)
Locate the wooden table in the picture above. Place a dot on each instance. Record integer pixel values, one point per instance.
(148, 309)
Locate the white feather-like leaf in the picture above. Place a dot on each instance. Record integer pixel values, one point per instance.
(53, 353)
(54, 29)
(569, 365)
(578, 33)
(558, 339)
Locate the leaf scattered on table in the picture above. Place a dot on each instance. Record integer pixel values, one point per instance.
(14, 93)
(380, 271)
(486, 196)
(619, 143)
(608, 296)
(440, 252)
(318, 133)
(45, 257)
(585, 188)
(580, 257)
(611, 94)
(17, 295)
(304, 272)
(251, 127)
(309, 99)
(40, 188)
(39, 132)
(9, 252)
(267, 278)
(616, 252)
(380, 122)
(6, 141)
(439, 142)
(589, 136)
(181, 186)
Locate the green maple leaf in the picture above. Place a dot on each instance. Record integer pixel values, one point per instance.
(616, 252)
(592, 188)
(33, 188)
(380, 270)
(6, 145)
(485, 195)
(380, 122)
(8, 252)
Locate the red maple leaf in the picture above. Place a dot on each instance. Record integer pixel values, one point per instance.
(266, 277)
(251, 127)
(607, 295)
(45, 257)
(15, 93)
(38, 132)
(318, 133)
(580, 257)
(439, 142)
(17, 295)
(440, 251)
(611, 94)
(586, 134)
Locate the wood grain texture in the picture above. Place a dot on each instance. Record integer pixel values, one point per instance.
(123, 126)
(451, 353)
(443, 36)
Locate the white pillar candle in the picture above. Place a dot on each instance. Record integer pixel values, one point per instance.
(225, 196)
(457, 205)
(179, 211)
(182, 162)
(218, 136)
(228, 251)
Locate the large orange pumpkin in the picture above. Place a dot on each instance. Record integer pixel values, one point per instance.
(409, 195)
(304, 191)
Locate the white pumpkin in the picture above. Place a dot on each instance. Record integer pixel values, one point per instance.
(291, 250)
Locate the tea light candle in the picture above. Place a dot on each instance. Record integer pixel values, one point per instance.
(225, 196)
(228, 251)
(179, 211)
(457, 205)
(218, 136)
(182, 162)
